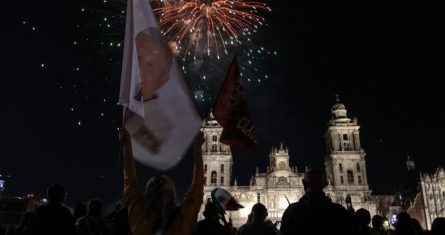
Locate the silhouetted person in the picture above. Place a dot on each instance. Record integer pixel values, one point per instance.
(417, 227)
(363, 219)
(54, 218)
(315, 213)
(80, 210)
(272, 225)
(438, 226)
(155, 210)
(404, 225)
(93, 223)
(377, 225)
(249, 220)
(258, 226)
(119, 219)
(211, 224)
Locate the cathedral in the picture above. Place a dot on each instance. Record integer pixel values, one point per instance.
(433, 195)
(281, 184)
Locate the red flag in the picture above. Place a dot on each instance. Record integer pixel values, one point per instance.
(230, 110)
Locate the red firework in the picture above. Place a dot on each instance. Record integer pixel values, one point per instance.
(190, 20)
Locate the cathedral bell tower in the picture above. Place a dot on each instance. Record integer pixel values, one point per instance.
(217, 157)
(345, 160)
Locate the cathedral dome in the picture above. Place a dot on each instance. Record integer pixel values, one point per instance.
(338, 106)
(339, 111)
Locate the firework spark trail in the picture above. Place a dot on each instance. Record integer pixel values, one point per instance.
(220, 19)
(100, 34)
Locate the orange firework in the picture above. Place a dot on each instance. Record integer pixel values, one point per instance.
(214, 20)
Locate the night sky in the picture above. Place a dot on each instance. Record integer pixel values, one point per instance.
(384, 58)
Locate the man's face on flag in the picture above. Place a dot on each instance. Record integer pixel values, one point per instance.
(154, 61)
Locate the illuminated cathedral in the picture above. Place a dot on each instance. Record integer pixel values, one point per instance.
(281, 184)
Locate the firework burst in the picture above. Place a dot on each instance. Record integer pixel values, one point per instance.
(100, 35)
(210, 22)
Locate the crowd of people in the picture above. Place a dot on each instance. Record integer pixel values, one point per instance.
(154, 211)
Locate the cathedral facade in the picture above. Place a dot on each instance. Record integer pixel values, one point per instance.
(281, 184)
(433, 195)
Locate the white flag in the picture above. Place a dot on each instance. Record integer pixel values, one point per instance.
(159, 114)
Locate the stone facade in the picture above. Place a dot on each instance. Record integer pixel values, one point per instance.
(282, 184)
(433, 195)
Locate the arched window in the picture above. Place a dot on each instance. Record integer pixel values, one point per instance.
(222, 168)
(213, 177)
(214, 148)
(340, 166)
(350, 177)
(222, 180)
(358, 167)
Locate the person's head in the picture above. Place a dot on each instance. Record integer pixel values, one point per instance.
(377, 222)
(56, 194)
(210, 211)
(416, 225)
(438, 226)
(95, 207)
(364, 217)
(403, 221)
(160, 195)
(259, 212)
(313, 180)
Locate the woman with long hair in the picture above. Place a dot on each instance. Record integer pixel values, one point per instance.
(154, 210)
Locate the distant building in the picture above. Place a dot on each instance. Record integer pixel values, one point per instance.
(281, 184)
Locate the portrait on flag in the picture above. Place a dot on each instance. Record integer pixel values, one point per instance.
(158, 112)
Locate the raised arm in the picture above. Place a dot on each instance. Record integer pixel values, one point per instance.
(133, 195)
(129, 166)
(193, 199)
